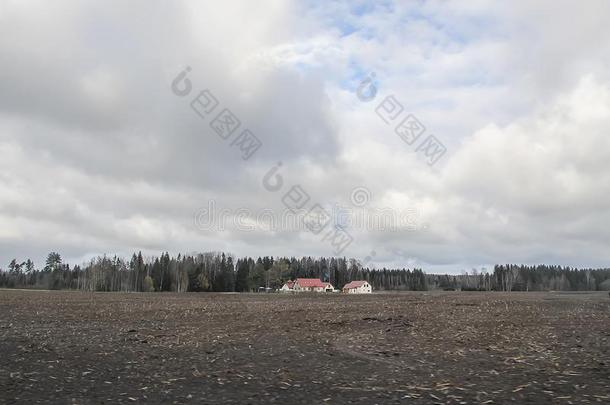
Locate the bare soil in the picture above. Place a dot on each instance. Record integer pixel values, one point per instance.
(450, 347)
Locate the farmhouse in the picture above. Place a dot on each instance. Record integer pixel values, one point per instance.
(328, 287)
(358, 287)
(288, 286)
(311, 285)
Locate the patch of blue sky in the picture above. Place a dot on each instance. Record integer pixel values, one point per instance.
(416, 14)
(345, 25)
(360, 8)
(346, 28)
(355, 74)
(346, 18)
(457, 29)
(474, 29)
(364, 7)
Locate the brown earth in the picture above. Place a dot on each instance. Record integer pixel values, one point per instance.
(453, 347)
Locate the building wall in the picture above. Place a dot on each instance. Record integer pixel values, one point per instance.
(364, 289)
(308, 289)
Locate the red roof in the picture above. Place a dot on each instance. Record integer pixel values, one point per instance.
(309, 282)
(289, 283)
(354, 284)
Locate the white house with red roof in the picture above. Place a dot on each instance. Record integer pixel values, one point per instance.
(311, 285)
(358, 287)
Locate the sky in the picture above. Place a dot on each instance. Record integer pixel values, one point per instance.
(440, 135)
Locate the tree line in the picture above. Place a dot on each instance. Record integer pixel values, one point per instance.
(511, 277)
(220, 272)
(211, 271)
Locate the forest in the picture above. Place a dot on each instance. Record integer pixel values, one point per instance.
(221, 272)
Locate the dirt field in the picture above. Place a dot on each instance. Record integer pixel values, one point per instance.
(69, 347)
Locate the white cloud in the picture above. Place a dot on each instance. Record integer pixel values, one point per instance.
(98, 155)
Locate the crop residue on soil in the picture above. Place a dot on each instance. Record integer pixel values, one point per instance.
(452, 347)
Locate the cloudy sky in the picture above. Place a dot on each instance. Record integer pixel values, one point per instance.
(101, 154)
